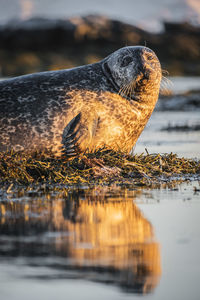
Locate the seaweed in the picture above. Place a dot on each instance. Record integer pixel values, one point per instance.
(100, 167)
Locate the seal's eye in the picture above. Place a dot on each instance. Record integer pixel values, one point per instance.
(126, 61)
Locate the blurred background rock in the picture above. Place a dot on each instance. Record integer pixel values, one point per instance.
(39, 35)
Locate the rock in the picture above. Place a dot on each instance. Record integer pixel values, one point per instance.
(178, 47)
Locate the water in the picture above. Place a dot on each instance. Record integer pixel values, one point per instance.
(183, 143)
(180, 84)
(101, 243)
(107, 243)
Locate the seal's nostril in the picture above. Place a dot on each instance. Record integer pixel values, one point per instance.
(144, 71)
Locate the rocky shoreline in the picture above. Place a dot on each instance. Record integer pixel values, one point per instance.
(43, 44)
(188, 101)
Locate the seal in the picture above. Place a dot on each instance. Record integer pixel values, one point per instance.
(105, 104)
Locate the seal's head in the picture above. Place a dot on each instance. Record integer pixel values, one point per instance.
(133, 71)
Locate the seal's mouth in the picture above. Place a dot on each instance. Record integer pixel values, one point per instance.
(126, 91)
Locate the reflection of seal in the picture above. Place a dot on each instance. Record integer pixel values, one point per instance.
(103, 104)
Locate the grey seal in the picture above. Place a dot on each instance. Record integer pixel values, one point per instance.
(105, 104)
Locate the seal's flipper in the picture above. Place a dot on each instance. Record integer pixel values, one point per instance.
(78, 134)
(69, 141)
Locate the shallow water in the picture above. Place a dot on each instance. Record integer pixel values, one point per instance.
(183, 143)
(182, 84)
(101, 243)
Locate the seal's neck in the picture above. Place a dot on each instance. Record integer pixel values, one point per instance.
(147, 96)
(109, 76)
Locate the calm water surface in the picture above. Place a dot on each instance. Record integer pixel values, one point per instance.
(101, 243)
(183, 143)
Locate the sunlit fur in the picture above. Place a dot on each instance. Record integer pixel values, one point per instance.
(106, 104)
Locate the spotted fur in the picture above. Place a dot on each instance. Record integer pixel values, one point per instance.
(72, 110)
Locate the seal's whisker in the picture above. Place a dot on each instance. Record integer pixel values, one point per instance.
(164, 91)
(133, 89)
(166, 80)
(124, 91)
(165, 86)
(164, 83)
(130, 90)
(127, 90)
(121, 90)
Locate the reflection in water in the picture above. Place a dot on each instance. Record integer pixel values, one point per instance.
(88, 234)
